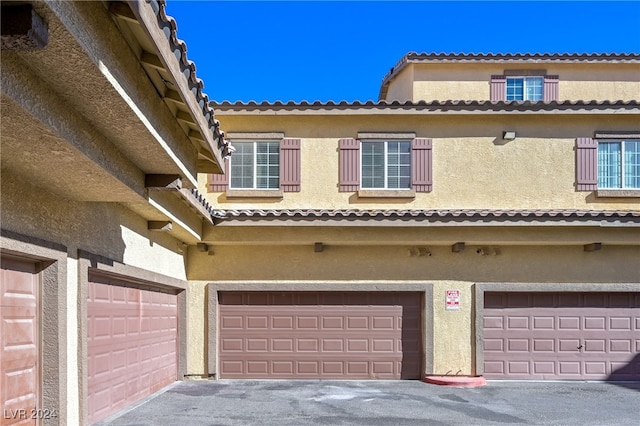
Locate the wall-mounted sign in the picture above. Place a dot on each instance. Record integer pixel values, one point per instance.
(453, 300)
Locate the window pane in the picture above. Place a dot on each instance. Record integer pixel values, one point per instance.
(515, 89)
(399, 165)
(255, 165)
(373, 164)
(386, 165)
(267, 165)
(525, 88)
(534, 88)
(632, 164)
(609, 170)
(242, 165)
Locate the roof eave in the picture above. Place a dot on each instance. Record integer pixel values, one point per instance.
(436, 217)
(435, 107)
(209, 139)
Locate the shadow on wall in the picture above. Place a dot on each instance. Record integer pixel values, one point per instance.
(627, 376)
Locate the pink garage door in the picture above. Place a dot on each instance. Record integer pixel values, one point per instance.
(19, 341)
(131, 345)
(325, 335)
(587, 336)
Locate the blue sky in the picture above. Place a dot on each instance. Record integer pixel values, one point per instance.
(334, 50)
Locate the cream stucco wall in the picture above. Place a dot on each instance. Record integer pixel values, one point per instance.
(104, 229)
(470, 81)
(402, 87)
(515, 263)
(472, 166)
(451, 334)
(197, 330)
(453, 330)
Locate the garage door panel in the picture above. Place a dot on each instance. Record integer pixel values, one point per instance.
(541, 322)
(131, 345)
(598, 368)
(283, 367)
(518, 368)
(19, 337)
(313, 341)
(358, 368)
(333, 345)
(494, 367)
(307, 368)
(620, 323)
(544, 345)
(561, 336)
(544, 368)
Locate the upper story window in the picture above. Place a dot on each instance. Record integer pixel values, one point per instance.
(386, 165)
(619, 164)
(609, 163)
(255, 165)
(525, 88)
(260, 167)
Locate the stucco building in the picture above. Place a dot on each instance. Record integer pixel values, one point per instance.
(481, 218)
(104, 130)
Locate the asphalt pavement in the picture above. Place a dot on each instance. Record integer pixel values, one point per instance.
(371, 403)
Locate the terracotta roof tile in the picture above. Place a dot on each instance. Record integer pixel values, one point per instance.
(547, 56)
(426, 214)
(428, 106)
(203, 201)
(188, 68)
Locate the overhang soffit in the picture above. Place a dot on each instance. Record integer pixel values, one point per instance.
(36, 153)
(71, 75)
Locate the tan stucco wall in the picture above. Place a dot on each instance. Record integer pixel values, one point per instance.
(105, 229)
(401, 88)
(453, 332)
(471, 81)
(472, 166)
(197, 330)
(360, 262)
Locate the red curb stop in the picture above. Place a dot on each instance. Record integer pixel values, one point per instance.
(456, 381)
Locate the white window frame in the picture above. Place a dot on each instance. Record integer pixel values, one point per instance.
(524, 79)
(621, 165)
(254, 165)
(386, 164)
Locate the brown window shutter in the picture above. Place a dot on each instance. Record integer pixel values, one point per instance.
(586, 164)
(550, 88)
(219, 183)
(290, 165)
(421, 165)
(349, 166)
(498, 87)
